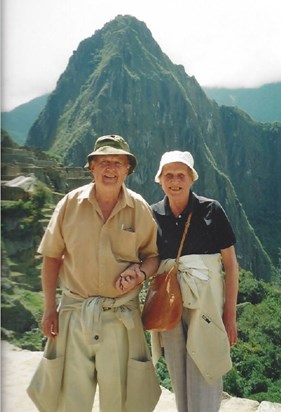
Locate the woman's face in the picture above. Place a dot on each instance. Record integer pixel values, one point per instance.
(176, 180)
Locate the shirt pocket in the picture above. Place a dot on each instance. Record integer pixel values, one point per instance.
(125, 246)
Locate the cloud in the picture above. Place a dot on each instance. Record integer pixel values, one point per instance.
(221, 42)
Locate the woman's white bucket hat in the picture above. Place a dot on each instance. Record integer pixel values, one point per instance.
(176, 156)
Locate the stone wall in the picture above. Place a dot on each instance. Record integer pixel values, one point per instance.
(20, 161)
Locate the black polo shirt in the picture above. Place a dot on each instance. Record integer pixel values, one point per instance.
(209, 231)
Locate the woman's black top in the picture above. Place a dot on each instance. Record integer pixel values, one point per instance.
(209, 231)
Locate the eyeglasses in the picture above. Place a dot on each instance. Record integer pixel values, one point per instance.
(111, 163)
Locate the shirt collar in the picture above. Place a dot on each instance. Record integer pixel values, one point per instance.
(163, 207)
(88, 192)
(126, 196)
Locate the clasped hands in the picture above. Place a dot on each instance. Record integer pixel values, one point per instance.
(129, 279)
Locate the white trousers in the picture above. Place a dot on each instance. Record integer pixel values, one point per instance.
(192, 392)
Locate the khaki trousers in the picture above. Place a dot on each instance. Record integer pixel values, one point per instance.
(100, 342)
(192, 392)
(87, 364)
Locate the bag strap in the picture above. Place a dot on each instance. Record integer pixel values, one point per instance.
(175, 266)
(187, 224)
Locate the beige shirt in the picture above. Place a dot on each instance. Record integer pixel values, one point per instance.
(96, 252)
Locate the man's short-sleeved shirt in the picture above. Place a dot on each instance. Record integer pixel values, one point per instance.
(96, 252)
(209, 232)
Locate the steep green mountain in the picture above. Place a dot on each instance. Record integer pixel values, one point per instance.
(262, 104)
(119, 81)
(19, 120)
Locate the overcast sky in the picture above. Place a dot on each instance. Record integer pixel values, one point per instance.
(226, 43)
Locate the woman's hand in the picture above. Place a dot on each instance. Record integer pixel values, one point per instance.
(129, 279)
(229, 320)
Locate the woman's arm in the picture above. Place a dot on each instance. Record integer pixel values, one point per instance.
(231, 291)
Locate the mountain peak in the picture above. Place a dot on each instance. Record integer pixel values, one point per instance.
(118, 81)
(119, 58)
(125, 37)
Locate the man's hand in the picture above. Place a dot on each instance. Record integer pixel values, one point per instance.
(50, 323)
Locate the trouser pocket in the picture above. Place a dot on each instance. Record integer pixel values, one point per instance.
(143, 390)
(45, 386)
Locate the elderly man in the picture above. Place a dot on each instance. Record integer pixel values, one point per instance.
(100, 245)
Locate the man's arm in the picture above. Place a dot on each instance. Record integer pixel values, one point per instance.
(50, 271)
(135, 274)
(231, 291)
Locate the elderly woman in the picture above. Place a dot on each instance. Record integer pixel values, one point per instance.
(197, 350)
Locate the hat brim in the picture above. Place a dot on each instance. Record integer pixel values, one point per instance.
(107, 150)
(159, 172)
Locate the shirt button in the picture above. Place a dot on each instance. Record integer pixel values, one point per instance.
(179, 216)
(96, 337)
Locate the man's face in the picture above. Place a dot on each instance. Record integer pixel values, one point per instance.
(110, 170)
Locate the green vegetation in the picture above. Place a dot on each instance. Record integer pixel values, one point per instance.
(256, 372)
(21, 303)
(21, 315)
(22, 228)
